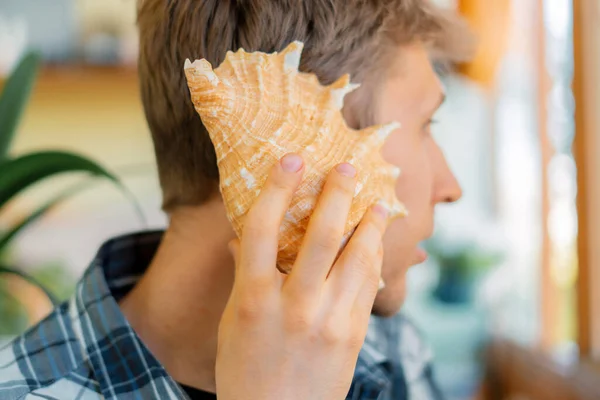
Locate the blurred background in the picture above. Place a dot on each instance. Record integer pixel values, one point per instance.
(510, 296)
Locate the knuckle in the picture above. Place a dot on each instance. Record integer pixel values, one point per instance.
(355, 340)
(363, 265)
(363, 258)
(373, 223)
(345, 187)
(253, 228)
(256, 291)
(249, 312)
(370, 293)
(328, 238)
(332, 334)
(380, 252)
(299, 321)
(372, 280)
(280, 183)
(378, 224)
(256, 286)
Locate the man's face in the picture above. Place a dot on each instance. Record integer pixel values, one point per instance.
(411, 94)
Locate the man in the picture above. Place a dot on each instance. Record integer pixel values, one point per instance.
(174, 315)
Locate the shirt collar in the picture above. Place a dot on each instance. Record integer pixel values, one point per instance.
(119, 359)
(116, 352)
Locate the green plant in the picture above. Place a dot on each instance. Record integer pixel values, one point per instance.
(468, 259)
(19, 173)
(461, 262)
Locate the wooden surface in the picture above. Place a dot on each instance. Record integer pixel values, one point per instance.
(514, 372)
(492, 35)
(93, 110)
(550, 295)
(586, 88)
(96, 112)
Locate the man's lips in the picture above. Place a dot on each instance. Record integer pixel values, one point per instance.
(420, 256)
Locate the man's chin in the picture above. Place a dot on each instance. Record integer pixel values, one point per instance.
(420, 257)
(386, 310)
(390, 300)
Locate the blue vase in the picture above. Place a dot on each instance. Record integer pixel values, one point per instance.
(454, 287)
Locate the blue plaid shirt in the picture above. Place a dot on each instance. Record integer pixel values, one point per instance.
(86, 349)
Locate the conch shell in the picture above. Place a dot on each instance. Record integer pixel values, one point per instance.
(258, 107)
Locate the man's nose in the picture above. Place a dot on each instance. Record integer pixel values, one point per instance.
(450, 191)
(447, 189)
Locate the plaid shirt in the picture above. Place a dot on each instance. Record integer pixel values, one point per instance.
(85, 349)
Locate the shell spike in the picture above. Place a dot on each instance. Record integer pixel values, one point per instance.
(342, 82)
(201, 69)
(385, 130)
(339, 89)
(381, 132)
(398, 209)
(375, 136)
(395, 172)
(291, 56)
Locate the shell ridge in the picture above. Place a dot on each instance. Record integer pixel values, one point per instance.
(239, 118)
(256, 104)
(249, 163)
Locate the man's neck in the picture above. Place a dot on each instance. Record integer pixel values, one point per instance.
(177, 305)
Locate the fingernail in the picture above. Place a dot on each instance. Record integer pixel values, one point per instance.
(291, 163)
(381, 211)
(346, 170)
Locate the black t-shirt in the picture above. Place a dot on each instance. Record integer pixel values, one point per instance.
(197, 394)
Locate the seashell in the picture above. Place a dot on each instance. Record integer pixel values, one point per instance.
(258, 107)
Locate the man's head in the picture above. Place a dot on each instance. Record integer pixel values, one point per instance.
(385, 45)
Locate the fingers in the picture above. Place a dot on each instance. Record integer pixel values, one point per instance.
(354, 280)
(363, 304)
(321, 244)
(258, 249)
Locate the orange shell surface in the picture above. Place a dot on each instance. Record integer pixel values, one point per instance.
(257, 107)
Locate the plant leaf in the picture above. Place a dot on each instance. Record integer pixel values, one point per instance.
(29, 279)
(14, 98)
(6, 238)
(18, 174)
